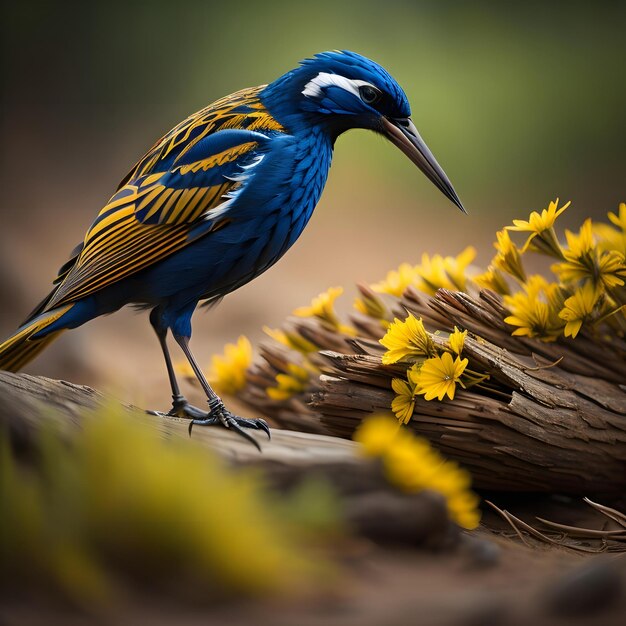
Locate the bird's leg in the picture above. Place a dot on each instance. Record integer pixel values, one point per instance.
(218, 413)
(180, 404)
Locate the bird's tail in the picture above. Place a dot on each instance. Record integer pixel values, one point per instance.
(24, 344)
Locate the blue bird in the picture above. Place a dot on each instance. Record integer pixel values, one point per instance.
(217, 201)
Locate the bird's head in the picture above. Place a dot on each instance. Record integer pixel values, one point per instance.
(341, 90)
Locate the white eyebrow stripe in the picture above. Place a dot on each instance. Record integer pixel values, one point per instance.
(315, 87)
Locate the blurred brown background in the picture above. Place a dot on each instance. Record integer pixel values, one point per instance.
(520, 104)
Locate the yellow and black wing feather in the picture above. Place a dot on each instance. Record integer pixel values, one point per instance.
(180, 181)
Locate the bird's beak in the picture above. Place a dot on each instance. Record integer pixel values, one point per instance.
(403, 134)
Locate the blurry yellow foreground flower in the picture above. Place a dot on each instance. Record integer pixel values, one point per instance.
(114, 500)
(412, 465)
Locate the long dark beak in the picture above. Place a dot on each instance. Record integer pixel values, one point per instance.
(403, 134)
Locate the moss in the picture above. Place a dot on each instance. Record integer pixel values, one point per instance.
(122, 502)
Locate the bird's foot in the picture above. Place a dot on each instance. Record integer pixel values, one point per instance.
(182, 408)
(221, 416)
(218, 415)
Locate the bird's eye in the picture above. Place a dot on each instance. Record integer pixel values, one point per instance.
(369, 94)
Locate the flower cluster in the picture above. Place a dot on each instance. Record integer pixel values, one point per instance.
(587, 288)
(431, 274)
(412, 465)
(432, 372)
(296, 377)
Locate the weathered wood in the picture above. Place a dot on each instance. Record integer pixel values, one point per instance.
(27, 403)
(553, 417)
(556, 434)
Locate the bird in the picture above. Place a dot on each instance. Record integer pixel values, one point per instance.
(214, 203)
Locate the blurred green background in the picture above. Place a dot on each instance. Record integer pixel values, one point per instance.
(520, 103)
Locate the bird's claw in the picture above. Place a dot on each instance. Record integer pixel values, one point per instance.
(223, 417)
(218, 416)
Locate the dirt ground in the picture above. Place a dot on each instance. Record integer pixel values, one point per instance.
(488, 580)
(488, 576)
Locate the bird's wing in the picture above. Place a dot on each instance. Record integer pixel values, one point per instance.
(151, 217)
(241, 110)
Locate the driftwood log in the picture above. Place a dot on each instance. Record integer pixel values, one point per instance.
(548, 436)
(371, 506)
(553, 420)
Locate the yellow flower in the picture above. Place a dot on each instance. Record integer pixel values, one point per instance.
(454, 483)
(455, 267)
(535, 310)
(579, 308)
(438, 377)
(582, 243)
(377, 434)
(444, 272)
(619, 219)
(291, 340)
(322, 306)
(508, 258)
(412, 465)
(291, 384)
(406, 340)
(227, 373)
(538, 223)
(183, 369)
(579, 256)
(613, 238)
(404, 402)
(432, 274)
(492, 279)
(397, 281)
(610, 267)
(584, 261)
(371, 305)
(541, 226)
(456, 340)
